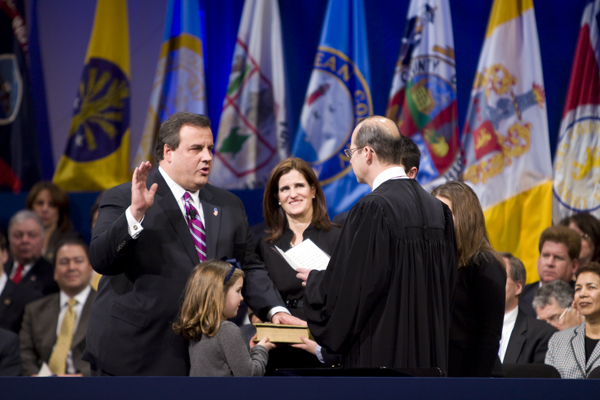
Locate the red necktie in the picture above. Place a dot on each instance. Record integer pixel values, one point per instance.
(18, 274)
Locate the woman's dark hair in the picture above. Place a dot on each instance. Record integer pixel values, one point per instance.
(589, 225)
(593, 267)
(60, 199)
(275, 217)
(469, 222)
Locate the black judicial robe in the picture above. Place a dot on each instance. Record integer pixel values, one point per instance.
(385, 297)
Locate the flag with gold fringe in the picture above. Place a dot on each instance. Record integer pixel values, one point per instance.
(179, 79)
(97, 151)
(505, 137)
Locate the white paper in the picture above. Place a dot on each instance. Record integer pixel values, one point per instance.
(45, 370)
(306, 255)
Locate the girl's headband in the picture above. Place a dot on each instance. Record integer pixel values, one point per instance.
(234, 264)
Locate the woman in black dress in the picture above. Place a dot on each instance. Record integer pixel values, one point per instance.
(295, 210)
(478, 304)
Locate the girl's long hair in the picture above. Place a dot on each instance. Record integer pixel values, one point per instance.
(469, 222)
(202, 309)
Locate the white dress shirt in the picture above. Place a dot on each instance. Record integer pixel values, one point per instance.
(81, 298)
(390, 173)
(26, 269)
(3, 279)
(509, 324)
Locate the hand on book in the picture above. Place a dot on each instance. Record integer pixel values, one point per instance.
(287, 319)
(307, 345)
(264, 342)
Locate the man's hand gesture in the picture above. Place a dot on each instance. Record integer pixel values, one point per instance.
(141, 198)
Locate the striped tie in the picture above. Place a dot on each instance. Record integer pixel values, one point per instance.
(196, 227)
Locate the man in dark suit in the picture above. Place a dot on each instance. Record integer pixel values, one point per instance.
(31, 274)
(524, 339)
(46, 322)
(10, 360)
(559, 249)
(143, 245)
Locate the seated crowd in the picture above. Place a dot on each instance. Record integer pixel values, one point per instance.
(497, 321)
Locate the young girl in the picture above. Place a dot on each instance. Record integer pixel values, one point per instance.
(217, 347)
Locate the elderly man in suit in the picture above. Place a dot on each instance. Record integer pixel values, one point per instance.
(54, 327)
(26, 267)
(524, 339)
(149, 235)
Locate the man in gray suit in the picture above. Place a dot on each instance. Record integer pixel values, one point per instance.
(144, 247)
(42, 327)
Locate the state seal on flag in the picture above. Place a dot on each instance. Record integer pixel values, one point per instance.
(101, 112)
(11, 88)
(337, 97)
(577, 162)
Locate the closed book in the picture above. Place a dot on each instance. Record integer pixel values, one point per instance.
(281, 333)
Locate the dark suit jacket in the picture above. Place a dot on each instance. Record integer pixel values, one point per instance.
(39, 281)
(528, 341)
(38, 334)
(130, 331)
(12, 305)
(10, 360)
(527, 295)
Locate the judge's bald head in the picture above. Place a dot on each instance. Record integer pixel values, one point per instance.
(382, 135)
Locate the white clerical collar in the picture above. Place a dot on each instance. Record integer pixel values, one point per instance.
(81, 297)
(177, 190)
(511, 316)
(390, 173)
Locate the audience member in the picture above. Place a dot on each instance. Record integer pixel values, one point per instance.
(26, 267)
(588, 228)
(12, 301)
(575, 352)
(149, 236)
(10, 359)
(410, 160)
(524, 339)
(384, 299)
(478, 302)
(295, 210)
(552, 304)
(51, 203)
(55, 326)
(559, 249)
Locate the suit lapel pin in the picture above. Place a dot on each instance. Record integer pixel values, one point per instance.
(6, 302)
(33, 278)
(215, 212)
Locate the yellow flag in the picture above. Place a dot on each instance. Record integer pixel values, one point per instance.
(505, 139)
(97, 152)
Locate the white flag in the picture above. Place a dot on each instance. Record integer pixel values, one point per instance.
(253, 131)
(505, 136)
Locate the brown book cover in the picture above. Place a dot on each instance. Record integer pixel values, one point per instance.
(281, 333)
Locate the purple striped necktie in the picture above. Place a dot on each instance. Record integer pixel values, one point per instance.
(196, 226)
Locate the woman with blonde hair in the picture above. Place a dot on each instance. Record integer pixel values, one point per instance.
(213, 294)
(478, 303)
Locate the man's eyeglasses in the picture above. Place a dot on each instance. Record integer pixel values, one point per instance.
(555, 319)
(348, 152)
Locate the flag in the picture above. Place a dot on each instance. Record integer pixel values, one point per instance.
(254, 129)
(423, 96)
(338, 96)
(179, 79)
(577, 158)
(20, 165)
(505, 137)
(97, 151)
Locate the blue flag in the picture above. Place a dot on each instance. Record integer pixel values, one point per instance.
(20, 166)
(338, 96)
(179, 79)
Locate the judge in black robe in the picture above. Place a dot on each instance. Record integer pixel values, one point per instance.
(385, 297)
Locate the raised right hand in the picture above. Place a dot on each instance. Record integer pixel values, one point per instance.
(141, 198)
